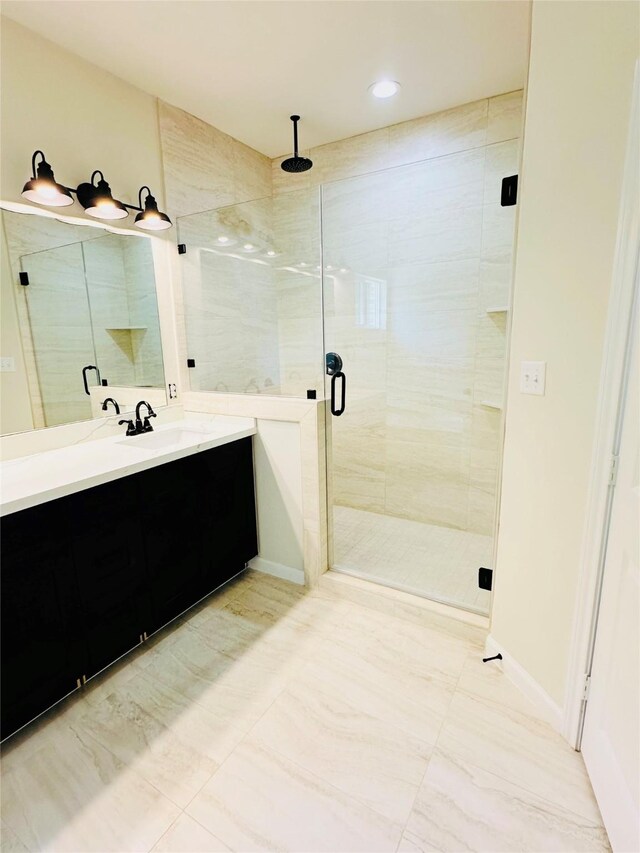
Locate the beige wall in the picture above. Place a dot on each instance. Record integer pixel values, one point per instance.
(577, 115)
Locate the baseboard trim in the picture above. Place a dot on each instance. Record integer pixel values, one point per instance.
(515, 672)
(278, 570)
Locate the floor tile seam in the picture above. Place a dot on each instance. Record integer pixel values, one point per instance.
(129, 769)
(232, 751)
(520, 787)
(433, 749)
(18, 836)
(168, 829)
(395, 727)
(183, 813)
(515, 782)
(331, 785)
(506, 707)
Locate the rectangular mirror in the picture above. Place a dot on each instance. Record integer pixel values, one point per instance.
(80, 322)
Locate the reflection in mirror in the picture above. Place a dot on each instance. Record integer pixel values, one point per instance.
(82, 304)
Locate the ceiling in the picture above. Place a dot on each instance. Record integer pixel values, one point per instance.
(246, 65)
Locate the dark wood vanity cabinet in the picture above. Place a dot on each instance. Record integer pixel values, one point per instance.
(85, 576)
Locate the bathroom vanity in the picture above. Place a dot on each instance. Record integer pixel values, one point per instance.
(105, 542)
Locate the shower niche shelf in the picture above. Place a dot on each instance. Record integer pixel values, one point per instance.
(126, 328)
(500, 309)
(491, 404)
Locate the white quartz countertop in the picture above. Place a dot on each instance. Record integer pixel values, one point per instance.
(32, 480)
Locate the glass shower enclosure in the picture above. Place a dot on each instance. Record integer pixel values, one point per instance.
(386, 295)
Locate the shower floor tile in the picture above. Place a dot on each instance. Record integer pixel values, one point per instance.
(425, 559)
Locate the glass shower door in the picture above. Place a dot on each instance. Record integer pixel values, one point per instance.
(413, 452)
(60, 332)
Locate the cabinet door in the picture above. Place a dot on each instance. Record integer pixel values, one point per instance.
(225, 488)
(169, 512)
(41, 654)
(110, 570)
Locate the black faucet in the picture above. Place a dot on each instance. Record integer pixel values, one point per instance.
(131, 430)
(115, 405)
(144, 426)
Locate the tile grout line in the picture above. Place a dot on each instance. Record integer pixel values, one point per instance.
(444, 719)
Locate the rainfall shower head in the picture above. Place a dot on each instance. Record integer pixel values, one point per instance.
(295, 163)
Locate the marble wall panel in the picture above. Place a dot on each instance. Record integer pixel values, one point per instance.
(205, 168)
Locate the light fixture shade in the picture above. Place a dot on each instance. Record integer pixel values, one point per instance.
(43, 189)
(151, 219)
(98, 201)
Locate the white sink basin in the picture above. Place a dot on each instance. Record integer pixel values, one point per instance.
(166, 438)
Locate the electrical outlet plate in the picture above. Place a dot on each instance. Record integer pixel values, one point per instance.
(533, 377)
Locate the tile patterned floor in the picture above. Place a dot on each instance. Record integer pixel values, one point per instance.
(425, 559)
(275, 719)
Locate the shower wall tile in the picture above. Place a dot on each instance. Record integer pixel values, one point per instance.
(447, 235)
(420, 492)
(439, 334)
(358, 445)
(420, 289)
(368, 152)
(205, 168)
(505, 116)
(435, 135)
(501, 161)
(460, 129)
(430, 393)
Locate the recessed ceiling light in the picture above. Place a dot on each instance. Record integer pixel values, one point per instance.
(384, 88)
(271, 253)
(223, 239)
(248, 246)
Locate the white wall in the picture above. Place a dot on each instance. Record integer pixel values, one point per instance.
(81, 117)
(577, 115)
(279, 499)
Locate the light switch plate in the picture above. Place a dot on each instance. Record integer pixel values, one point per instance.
(533, 377)
(7, 364)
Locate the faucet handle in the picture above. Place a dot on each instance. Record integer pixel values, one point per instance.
(131, 430)
(146, 426)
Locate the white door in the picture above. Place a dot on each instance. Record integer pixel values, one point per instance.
(611, 739)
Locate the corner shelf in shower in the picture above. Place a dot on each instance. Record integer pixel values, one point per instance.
(501, 309)
(491, 404)
(126, 328)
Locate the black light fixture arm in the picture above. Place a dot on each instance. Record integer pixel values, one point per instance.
(33, 162)
(145, 187)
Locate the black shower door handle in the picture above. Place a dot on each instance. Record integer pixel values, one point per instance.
(343, 395)
(84, 377)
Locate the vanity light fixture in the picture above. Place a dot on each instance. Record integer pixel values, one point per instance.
(98, 201)
(43, 188)
(96, 198)
(151, 219)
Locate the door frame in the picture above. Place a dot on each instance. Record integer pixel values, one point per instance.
(611, 399)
